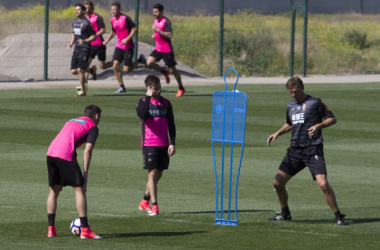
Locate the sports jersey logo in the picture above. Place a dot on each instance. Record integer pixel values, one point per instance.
(77, 31)
(298, 118)
(81, 121)
(156, 113)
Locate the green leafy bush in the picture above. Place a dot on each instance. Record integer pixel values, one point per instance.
(356, 39)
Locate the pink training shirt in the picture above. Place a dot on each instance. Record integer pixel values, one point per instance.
(122, 26)
(163, 44)
(156, 128)
(71, 137)
(97, 23)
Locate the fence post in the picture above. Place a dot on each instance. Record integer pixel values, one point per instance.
(46, 40)
(291, 60)
(136, 38)
(221, 36)
(304, 39)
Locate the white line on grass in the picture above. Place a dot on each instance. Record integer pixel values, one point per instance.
(108, 215)
(185, 221)
(292, 231)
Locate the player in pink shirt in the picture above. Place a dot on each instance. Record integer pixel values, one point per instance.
(63, 168)
(125, 29)
(157, 120)
(97, 47)
(164, 49)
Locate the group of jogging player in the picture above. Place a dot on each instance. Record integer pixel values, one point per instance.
(89, 43)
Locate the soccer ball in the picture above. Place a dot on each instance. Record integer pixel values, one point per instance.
(76, 227)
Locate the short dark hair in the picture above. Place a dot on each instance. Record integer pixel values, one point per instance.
(92, 110)
(158, 6)
(89, 3)
(294, 81)
(152, 80)
(117, 4)
(81, 5)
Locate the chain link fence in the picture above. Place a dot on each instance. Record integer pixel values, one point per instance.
(343, 37)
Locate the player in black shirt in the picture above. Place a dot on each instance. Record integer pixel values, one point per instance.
(83, 35)
(305, 117)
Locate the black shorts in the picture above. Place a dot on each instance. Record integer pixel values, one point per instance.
(169, 58)
(80, 58)
(297, 159)
(124, 55)
(155, 158)
(64, 173)
(99, 51)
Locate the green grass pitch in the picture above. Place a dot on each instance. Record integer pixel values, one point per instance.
(31, 118)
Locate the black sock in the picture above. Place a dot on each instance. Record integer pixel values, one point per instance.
(122, 86)
(83, 221)
(91, 71)
(154, 203)
(163, 71)
(146, 197)
(51, 219)
(285, 211)
(337, 214)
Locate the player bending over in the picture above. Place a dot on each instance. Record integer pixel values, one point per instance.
(63, 168)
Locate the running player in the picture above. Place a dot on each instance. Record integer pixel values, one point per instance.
(63, 168)
(164, 49)
(306, 117)
(97, 47)
(125, 29)
(83, 35)
(157, 120)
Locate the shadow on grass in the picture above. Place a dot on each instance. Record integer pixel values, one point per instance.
(225, 211)
(361, 221)
(155, 234)
(350, 221)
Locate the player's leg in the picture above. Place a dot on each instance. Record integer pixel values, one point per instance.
(82, 69)
(163, 164)
(170, 61)
(118, 57)
(129, 65)
(54, 180)
(74, 63)
(317, 166)
(181, 89)
(289, 167)
(279, 184)
(330, 198)
(93, 52)
(152, 61)
(152, 184)
(102, 55)
(51, 205)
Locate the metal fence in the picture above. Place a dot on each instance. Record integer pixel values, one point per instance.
(256, 36)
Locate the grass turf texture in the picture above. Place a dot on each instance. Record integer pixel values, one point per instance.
(31, 118)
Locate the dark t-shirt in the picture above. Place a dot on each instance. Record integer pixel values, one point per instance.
(302, 116)
(82, 30)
